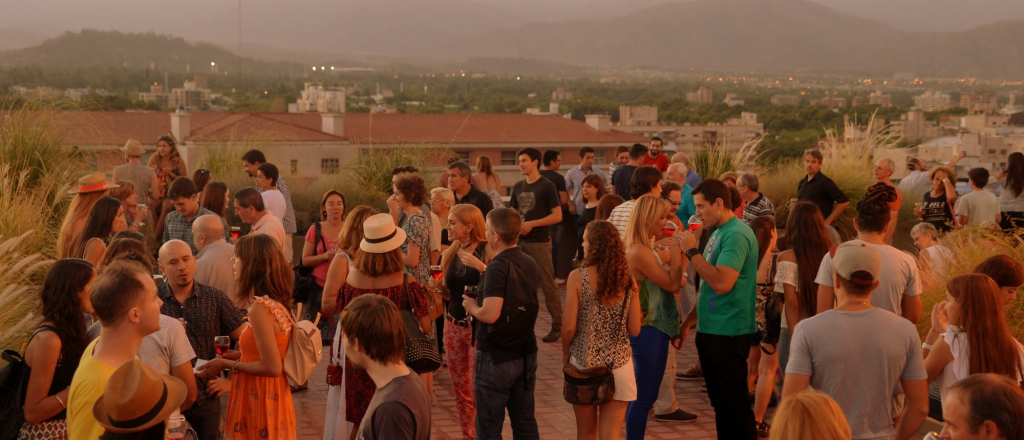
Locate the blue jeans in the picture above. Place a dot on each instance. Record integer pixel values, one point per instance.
(506, 385)
(650, 355)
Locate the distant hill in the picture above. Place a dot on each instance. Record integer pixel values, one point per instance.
(761, 35)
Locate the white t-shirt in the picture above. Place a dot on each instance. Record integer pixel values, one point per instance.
(167, 347)
(786, 273)
(939, 257)
(619, 217)
(899, 277)
(274, 202)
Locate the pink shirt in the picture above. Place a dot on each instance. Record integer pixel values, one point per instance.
(320, 270)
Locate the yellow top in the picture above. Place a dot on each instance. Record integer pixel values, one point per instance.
(86, 388)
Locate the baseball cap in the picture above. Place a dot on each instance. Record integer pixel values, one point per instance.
(858, 262)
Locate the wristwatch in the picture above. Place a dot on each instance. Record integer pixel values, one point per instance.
(926, 346)
(690, 253)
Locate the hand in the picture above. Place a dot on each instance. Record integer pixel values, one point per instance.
(684, 331)
(141, 214)
(392, 203)
(941, 175)
(961, 155)
(572, 208)
(469, 260)
(330, 254)
(918, 212)
(526, 228)
(232, 355)
(212, 368)
(685, 240)
(939, 318)
(469, 305)
(218, 387)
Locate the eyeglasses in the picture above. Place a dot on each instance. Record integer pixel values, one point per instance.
(671, 202)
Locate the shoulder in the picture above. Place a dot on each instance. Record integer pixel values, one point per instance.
(787, 256)
(45, 340)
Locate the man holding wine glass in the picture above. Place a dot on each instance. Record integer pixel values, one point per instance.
(206, 312)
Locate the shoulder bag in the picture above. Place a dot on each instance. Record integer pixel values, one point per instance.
(421, 353)
(13, 383)
(594, 385)
(304, 280)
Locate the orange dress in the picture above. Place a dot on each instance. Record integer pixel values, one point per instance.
(261, 407)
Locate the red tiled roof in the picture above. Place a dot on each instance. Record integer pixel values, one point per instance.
(114, 128)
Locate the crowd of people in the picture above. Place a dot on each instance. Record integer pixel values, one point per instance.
(136, 347)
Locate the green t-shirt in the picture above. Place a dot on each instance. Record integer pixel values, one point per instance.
(732, 245)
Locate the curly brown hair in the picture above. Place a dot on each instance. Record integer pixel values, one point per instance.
(607, 252)
(412, 188)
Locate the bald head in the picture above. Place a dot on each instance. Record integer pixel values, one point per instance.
(207, 229)
(681, 158)
(177, 263)
(174, 248)
(676, 173)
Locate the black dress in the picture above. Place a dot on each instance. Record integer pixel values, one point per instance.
(587, 216)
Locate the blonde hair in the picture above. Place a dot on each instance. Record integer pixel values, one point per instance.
(446, 194)
(78, 210)
(468, 215)
(648, 209)
(810, 415)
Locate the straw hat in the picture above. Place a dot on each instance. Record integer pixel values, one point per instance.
(136, 398)
(133, 148)
(93, 182)
(380, 234)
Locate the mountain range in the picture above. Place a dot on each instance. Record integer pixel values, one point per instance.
(737, 35)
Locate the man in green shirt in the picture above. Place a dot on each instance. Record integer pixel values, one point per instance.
(725, 306)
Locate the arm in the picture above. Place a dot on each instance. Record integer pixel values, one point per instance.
(916, 410)
(554, 218)
(309, 257)
(563, 197)
(635, 317)
(794, 384)
(94, 251)
(910, 306)
(643, 261)
(826, 298)
(721, 279)
(336, 275)
(263, 324)
(836, 212)
(572, 308)
(791, 307)
(184, 372)
(39, 405)
(412, 258)
(488, 313)
(936, 359)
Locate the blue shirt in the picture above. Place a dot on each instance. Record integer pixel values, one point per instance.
(686, 206)
(692, 178)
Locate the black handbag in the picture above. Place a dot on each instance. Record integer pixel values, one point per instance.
(13, 382)
(421, 354)
(304, 280)
(772, 312)
(594, 385)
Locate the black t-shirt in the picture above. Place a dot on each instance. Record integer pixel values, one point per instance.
(555, 178)
(476, 198)
(493, 285)
(937, 212)
(535, 201)
(822, 192)
(457, 277)
(399, 410)
(621, 179)
(588, 215)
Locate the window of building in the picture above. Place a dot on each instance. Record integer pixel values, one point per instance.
(598, 157)
(462, 156)
(508, 157)
(294, 166)
(1002, 151)
(991, 151)
(329, 166)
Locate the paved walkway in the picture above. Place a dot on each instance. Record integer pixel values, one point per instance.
(554, 416)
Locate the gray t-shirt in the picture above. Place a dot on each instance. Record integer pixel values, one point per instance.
(167, 347)
(899, 277)
(858, 358)
(981, 206)
(398, 410)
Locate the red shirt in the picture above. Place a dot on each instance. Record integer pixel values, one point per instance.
(660, 162)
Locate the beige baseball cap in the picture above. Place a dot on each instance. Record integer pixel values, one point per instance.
(858, 262)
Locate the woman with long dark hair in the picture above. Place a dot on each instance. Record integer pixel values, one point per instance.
(762, 367)
(201, 178)
(168, 165)
(602, 309)
(1011, 199)
(216, 198)
(591, 189)
(55, 349)
(260, 403)
(805, 244)
(976, 339)
(105, 219)
(485, 180)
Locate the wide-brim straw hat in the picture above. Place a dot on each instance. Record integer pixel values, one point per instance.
(381, 235)
(133, 148)
(136, 398)
(93, 182)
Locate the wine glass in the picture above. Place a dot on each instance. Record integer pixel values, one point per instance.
(435, 271)
(470, 291)
(669, 228)
(694, 223)
(221, 344)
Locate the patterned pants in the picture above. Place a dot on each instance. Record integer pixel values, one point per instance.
(458, 343)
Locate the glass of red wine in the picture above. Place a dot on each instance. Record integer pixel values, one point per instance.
(469, 292)
(669, 228)
(435, 271)
(235, 231)
(221, 344)
(694, 223)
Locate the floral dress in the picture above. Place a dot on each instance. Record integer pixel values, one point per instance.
(417, 228)
(261, 407)
(167, 169)
(359, 388)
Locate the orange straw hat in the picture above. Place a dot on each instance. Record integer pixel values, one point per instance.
(93, 182)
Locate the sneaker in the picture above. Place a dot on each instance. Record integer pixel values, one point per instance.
(559, 280)
(552, 336)
(692, 373)
(762, 429)
(676, 416)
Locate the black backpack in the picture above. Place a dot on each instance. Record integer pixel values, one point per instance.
(13, 382)
(513, 330)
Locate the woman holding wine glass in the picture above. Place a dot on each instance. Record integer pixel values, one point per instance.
(461, 268)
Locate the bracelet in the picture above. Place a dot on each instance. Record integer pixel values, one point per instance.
(233, 365)
(691, 253)
(926, 346)
(61, 401)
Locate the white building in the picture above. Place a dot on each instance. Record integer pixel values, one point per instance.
(932, 100)
(317, 99)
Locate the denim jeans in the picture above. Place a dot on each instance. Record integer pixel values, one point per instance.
(650, 355)
(724, 361)
(506, 385)
(205, 419)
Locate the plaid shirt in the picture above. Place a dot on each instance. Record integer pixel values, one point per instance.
(177, 228)
(207, 313)
(289, 214)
